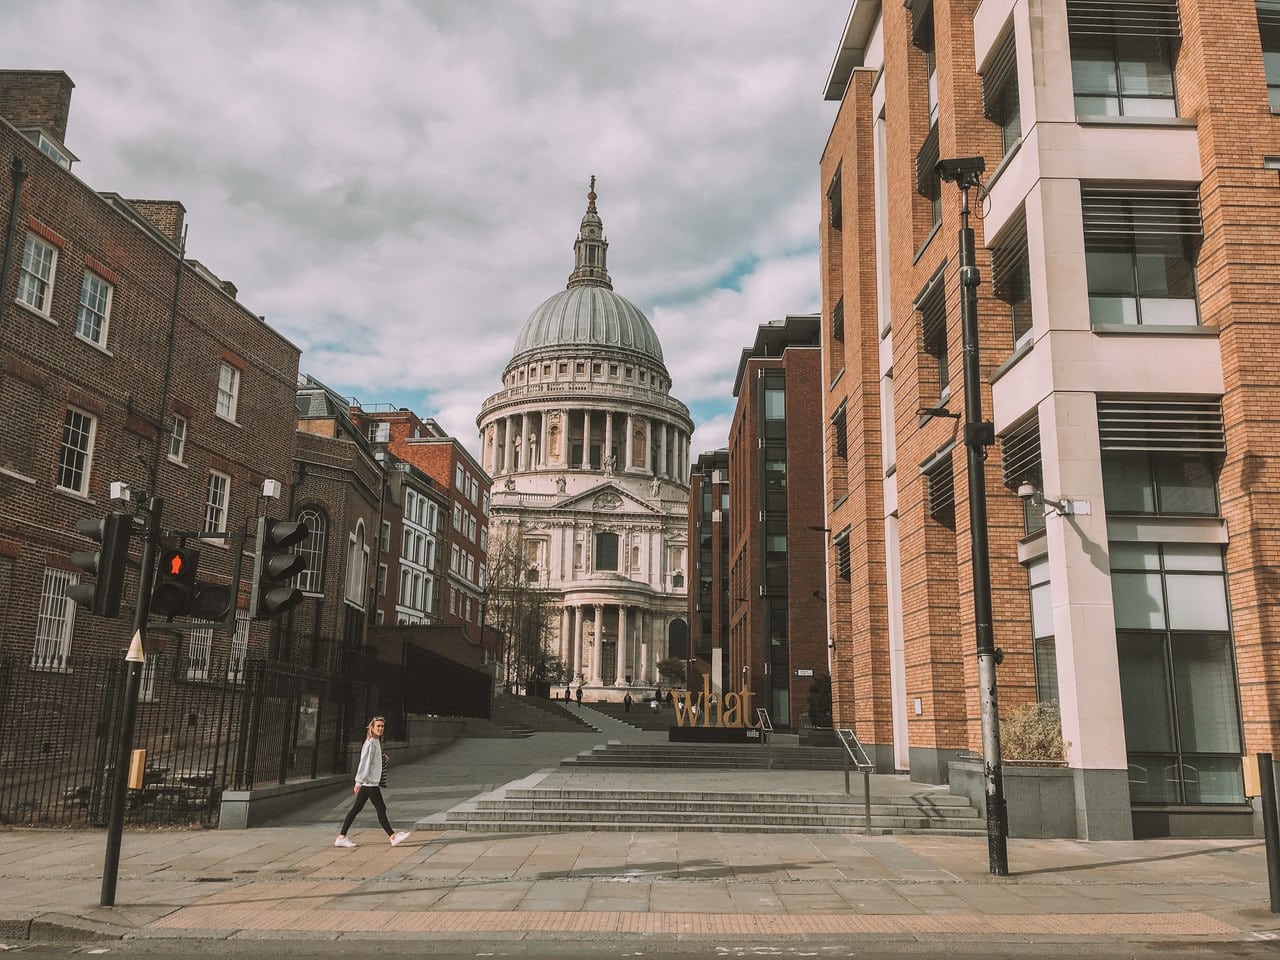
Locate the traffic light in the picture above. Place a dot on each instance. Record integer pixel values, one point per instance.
(107, 563)
(175, 585)
(274, 565)
(211, 601)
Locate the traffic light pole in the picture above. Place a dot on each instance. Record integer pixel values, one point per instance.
(129, 706)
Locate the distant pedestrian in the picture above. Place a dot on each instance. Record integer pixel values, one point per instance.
(568, 694)
(369, 781)
(626, 703)
(670, 699)
(579, 694)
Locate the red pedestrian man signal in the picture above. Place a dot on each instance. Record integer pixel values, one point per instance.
(175, 582)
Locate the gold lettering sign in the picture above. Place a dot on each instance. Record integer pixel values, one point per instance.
(733, 709)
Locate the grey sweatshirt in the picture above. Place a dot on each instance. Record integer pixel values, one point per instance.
(369, 772)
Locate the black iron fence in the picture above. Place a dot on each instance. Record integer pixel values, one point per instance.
(206, 725)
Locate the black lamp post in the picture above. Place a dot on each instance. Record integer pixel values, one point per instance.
(966, 173)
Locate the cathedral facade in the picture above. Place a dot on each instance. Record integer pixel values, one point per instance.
(590, 458)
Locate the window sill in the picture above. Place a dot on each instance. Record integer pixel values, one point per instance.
(50, 668)
(36, 313)
(93, 343)
(838, 377)
(933, 232)
(74, 494)
(227, 420)
(177, 462)
(1100, 121)
(1018, 354)
(1002, 165)
(1154, 330)
(13, 474)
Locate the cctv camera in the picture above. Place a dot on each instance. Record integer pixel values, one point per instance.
(1027, 491)
(960, 169)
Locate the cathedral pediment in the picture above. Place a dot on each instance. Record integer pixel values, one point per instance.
(607, 498)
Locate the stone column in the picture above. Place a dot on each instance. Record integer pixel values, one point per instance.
(624, 648)
(576, 613)
(508, 446)
(526, 461)
(542, 443)
(626, 447)
(564, 647)
(662, 451)
(648, 445)
(646, 670)
(586, 438)
(608, 434)
(599, 645)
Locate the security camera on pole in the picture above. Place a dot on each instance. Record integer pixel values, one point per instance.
(966, 173)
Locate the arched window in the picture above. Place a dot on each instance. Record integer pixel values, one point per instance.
(311, 580)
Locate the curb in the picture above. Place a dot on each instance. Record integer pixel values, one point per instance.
(57, 929)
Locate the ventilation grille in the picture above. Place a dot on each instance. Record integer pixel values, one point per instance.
(1152, 424)
(1002, 70)
(1145, 18)
(926, 160)
(921, 22)
(1118, 211)
(940, 486)
(1009, 261)
(1020, 455)
(1269, 14)
(932, 304)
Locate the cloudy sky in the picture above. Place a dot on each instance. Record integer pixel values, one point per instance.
(396, 184)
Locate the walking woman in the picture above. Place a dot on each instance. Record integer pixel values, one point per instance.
(368, 780)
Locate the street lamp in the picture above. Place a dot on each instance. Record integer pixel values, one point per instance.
(966, 173)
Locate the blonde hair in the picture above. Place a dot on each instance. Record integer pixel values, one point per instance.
(368, 731)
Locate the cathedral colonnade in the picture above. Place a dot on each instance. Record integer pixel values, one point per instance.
(577, 438)
(603, 643)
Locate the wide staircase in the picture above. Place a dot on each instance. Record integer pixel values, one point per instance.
(641, 715)
(710, 756)
(519, 717)
(567, 799)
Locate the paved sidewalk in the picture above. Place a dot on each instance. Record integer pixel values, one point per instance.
(289, 881)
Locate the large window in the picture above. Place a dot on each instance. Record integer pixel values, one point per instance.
(1140, 255)
(35, 274)
(54, 622)
(1177, 673)
(94, 309)
(1011, 279)
(1269, 29)
(935, 376)
(606, 551)
(75, 456)
(1046, 655)
(1161, 456)
(1122, 54)
(775, 403)
(177, 438)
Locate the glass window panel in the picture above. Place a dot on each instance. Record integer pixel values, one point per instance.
(1197, 601)
(1138, 601)
(1146, 69)
(1186, 483)
(1097, 107)
(1271, 54)
(1109, 272)
(1273, 97)
(1205, 686)
(1134, 556)
(1126, 482)
(775, 404)
(1172, 312)
(1144, 693)
(1046, 656)
(1041, 611)
(1213, 780)
(1164, 269)
(1113, 310)
(1153, 780)
(1148, 107)
(1193, 556)
(1093, 66)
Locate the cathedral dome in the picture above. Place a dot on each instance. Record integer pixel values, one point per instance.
(588, 314)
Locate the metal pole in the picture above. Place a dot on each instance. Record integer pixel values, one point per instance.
(1270, 830)
(978, 435)
(129, 709)
(866, 796)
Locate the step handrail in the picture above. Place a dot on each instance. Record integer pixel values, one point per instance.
(854, 752)
(766, 724)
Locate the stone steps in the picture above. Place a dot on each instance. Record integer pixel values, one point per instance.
(711, 756)
(528, 810)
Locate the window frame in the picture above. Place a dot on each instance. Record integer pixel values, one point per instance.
(215, 511)
(179, 435)
(55, 621)
(83, 470)
(99, 312)
(228, 392)
(28, 277)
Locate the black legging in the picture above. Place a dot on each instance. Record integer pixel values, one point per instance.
(368, 793)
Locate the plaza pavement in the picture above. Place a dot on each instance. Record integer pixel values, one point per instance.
(287, 880)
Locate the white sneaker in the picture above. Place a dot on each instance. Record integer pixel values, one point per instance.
(343, 842)
(398, 838)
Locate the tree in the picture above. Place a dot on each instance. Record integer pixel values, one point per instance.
(820, 701)
(672, 670)
(518, 610)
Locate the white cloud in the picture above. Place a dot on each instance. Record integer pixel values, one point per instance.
(396, 184)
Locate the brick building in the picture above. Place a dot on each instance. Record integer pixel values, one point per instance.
(121, 361)
(1126, 238)
(464, 532)
(777, 617)
(709, 564)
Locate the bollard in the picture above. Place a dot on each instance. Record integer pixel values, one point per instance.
(1270, 829)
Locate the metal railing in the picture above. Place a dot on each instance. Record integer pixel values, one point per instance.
(853, 753)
